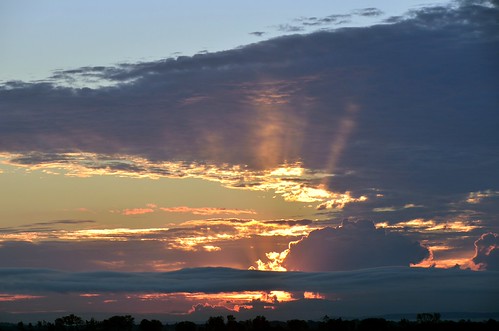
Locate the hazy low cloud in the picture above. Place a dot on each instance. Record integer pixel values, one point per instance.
(213, 280)
(368, 291)
(353, 245)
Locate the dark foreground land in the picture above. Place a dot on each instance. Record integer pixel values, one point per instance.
(425, 321)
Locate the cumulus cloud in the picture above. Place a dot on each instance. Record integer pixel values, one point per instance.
(353, 245)
(487, 251)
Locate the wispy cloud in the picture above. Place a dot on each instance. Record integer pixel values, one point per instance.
(137, 211)
(207, 211)
(257, 33)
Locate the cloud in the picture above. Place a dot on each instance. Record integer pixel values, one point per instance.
(257, 33)
(350, 293)
(336, 19)
(353, 245)
(487, 251)
(43, 226)
(137, 211)
(331, 19)
(368, 12)
(206, 210)
(289, 28)
(420, 133)
(477, 197)
(217, 242)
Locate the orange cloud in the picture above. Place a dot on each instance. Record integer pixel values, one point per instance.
(234, 301)
(290, 180)
(137, 211)
(477, 197)
(207, 211)
(16, 297)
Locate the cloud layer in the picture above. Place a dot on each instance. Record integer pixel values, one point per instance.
(353, 293)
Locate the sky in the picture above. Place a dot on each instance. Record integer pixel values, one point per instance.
(292, 160)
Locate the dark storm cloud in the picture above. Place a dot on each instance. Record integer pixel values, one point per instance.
(353, 245)
(404, 113)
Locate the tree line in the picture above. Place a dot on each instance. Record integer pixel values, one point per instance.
(424, 321)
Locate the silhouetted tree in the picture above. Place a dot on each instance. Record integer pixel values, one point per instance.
(69, 322)
(186, 326)
(428, 317)
(373, 324)
(153, 325)
(91, 325)
(232, 324)
(118, 323)
(260, 323)
(215, 323)
(297, 325)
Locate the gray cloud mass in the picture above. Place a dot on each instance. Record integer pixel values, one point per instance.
(353, 245)
(367, 291)
(487, 251)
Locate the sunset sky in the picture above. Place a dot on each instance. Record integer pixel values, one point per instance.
(292, 159)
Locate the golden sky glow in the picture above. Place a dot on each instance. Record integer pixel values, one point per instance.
(234, 301)
(286, 180)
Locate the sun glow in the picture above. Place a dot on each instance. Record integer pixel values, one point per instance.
(274, 263)
(234, 301)
(290, 180)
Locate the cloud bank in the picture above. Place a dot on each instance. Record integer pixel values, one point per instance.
(352, 293)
